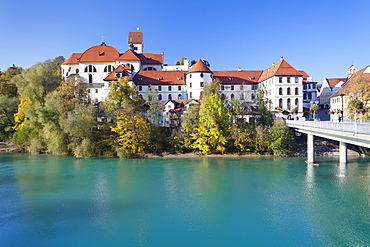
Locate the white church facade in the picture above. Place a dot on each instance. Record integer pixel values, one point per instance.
(99, 65)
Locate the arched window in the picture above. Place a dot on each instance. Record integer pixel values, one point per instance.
(90, 68)
(191, 84)
(150, 69)
(191, 95)
(201, 75)
(288, 91)
(159, 96)
(296, 102)
(170, 97)
(190, 76)
(281, 103)
(223, 96)
(232, 96)
(77, 71)
(288, 104)
(108, 68)
(280, 91)
(90, 78)
(179, 96)
(201, 84)
(296, 91)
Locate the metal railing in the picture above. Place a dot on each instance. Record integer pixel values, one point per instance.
(357, 127)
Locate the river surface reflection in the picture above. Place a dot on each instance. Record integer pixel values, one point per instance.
(64, 201)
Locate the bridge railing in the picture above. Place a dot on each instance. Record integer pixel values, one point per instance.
(353, 127)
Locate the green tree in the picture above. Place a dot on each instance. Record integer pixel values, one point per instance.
(181, 61)
(8, 107)
(7, 87)
(122, 93)
(133, 132)
(211, 134)
(184, 138)
(265, 117)
(33, 85)
(131, 127)
(280, 139)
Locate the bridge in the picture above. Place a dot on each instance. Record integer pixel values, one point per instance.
(349, 132)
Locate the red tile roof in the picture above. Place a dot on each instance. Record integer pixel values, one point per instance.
(282, 68)
(128, 56)
(353, 80)
(112, 75)
(334, 81)
(237, 77)
(73, 59)
(159, 78)
(100, 53)
(135, 37)
(199, 66)
(150, 58)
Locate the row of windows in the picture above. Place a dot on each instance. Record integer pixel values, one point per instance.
(89, 90)
(289, 103)
(107, 69)
(288, 79)
(336, 100)
(288, 91)
(169, 88)
(169, 97)
(201, 75)
(309, 86)
(159, 88)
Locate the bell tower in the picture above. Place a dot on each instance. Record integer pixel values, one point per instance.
(135, 42)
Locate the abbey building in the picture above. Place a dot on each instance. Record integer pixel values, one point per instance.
(99, 65)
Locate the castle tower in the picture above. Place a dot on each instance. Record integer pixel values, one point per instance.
(198, 76)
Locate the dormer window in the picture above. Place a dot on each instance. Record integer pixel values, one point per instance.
(118, 74)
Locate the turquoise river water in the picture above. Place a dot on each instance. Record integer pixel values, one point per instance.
(255, 201)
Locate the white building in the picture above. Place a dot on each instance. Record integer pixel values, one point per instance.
(339, 100)
(99, 65)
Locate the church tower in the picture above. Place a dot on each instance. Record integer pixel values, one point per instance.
(135, 42)
(351, 71)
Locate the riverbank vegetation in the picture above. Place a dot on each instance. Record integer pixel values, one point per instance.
(42, 113)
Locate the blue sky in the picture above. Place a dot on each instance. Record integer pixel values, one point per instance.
(321, 37)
